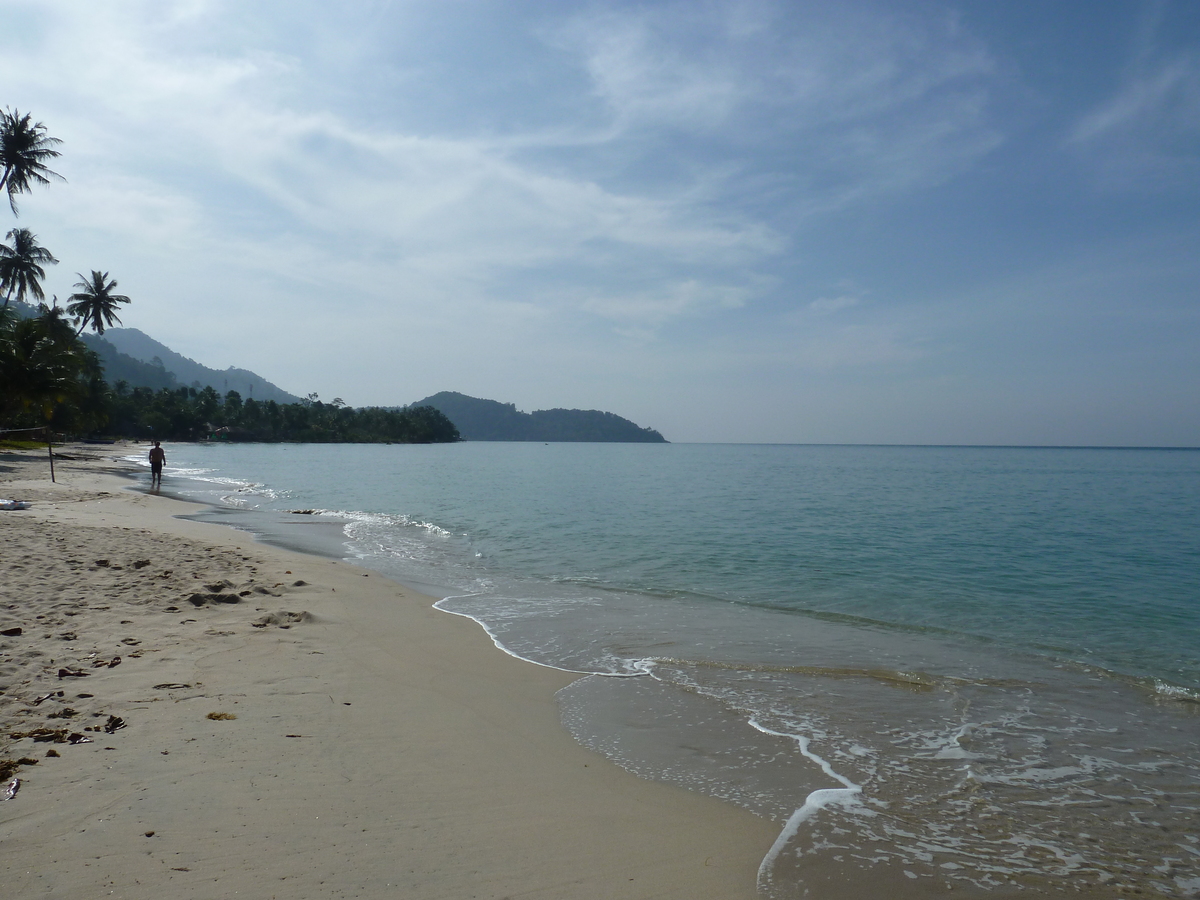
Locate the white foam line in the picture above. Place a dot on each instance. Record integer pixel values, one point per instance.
(495, 640)
(814, 803)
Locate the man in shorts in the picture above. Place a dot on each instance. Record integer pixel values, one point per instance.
(158, 458)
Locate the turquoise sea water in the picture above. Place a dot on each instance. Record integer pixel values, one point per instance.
(954, 666)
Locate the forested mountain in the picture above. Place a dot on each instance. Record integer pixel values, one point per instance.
(188, 372)
(120, 366)
(490, 420)
(134, 357)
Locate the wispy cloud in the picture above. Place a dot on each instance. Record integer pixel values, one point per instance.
(1168, 94)
(838, 104)
(1146, 133)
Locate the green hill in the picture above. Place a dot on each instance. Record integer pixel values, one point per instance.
(141, 347)
(137, 359)
(490, 420)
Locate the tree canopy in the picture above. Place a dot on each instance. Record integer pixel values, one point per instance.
(25, 148)
(21, 265)
(95, 303)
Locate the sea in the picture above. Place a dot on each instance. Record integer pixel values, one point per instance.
(937, 669)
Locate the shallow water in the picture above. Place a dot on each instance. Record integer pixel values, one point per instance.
(952, 666)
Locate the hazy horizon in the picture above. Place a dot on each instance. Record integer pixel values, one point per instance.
(934, 223)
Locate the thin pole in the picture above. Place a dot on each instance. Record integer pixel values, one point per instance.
(50, 450)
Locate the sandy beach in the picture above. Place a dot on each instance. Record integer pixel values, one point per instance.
(213, 717)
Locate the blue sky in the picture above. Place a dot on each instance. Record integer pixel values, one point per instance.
(959, 222)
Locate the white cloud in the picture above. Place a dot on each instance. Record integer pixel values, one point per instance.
(645, 77)
(849, 103)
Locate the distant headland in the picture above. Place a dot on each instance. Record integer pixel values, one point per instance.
(490, 420)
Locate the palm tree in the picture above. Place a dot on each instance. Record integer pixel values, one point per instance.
(40, 364)
(95, 302)
(24, 150)
(21, 265)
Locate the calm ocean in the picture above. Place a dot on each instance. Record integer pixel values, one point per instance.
(953, 666)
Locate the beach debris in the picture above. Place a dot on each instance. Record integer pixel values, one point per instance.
(283, 618)
(303, 512)
(51, 736)
(141, 563)
(12, 632)
(14, 504)
(68, 636)
(171, 686)
(8, 767)
(72, 673)
(65, 713)
(102, 563)
(40, 700)
(11, 789)
(149, 834)
(114, 723)
(220, 716)
(52, 754)
(205, 599)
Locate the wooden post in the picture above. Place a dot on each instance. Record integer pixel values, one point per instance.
(50, 450)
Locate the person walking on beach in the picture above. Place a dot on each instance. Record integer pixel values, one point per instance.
(158, 456)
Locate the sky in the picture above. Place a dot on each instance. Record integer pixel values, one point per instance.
(914, 222)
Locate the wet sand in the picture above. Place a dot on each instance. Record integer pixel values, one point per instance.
(248, 720)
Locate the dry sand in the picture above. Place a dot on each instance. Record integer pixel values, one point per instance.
(364, 744)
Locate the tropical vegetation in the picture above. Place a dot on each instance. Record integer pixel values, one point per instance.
(49, 378)
(21, 266)
(95, 302)
(188, 414)
(25, 148)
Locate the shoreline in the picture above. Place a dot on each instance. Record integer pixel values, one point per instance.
(380, 746)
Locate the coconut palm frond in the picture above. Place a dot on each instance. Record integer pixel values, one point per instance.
(21, 266)
(94, 302)
(25, 148)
